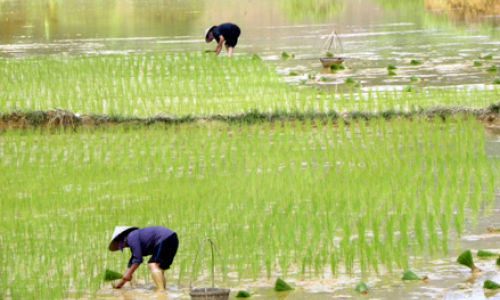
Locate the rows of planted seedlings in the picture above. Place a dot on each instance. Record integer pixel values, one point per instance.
(306, 199)
(187, 84)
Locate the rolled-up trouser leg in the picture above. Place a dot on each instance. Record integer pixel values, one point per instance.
(159, 280)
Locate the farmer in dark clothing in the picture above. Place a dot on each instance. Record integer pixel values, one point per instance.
(159, 242)
(226, 32)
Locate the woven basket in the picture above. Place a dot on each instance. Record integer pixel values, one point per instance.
(329, 61)
(209, 294)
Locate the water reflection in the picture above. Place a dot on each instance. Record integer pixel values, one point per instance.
(45, 21)
(315, 10)
(466, 11)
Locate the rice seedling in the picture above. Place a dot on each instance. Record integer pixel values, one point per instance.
(282, 286)
(361, 288)
(243, 294)
(466, 259)
(492, 69)
(491, 285)
(68, 189)
(410, 275)
(287, 55)
(478, 64)
(487, 57)
(484, 253)
(111, 275)
(496, 81)
(335, 67)
(415, 62)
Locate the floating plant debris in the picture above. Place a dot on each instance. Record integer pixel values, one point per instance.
(282, 286)
(466, 259)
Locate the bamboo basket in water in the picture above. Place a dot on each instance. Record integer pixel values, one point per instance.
(212, 293)
(332, 40)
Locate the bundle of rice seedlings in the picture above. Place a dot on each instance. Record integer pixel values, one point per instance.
(362, 288)
(243, 294)
(282, 286)
(410, 275)
(414, 80)
(492, 69)
(466, 259)
(484, 253)
(287, 55)
(491, 285)
(110, 275)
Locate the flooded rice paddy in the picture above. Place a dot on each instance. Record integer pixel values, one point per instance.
(455, 48)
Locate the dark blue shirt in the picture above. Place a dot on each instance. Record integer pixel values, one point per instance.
(229, 31)
(144, 240)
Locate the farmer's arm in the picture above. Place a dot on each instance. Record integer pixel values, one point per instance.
(219, 46)
(127, 276)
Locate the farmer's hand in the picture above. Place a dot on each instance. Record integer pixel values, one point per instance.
(123, 281)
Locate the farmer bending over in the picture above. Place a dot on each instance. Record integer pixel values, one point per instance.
(226, 32)
(159, 242)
